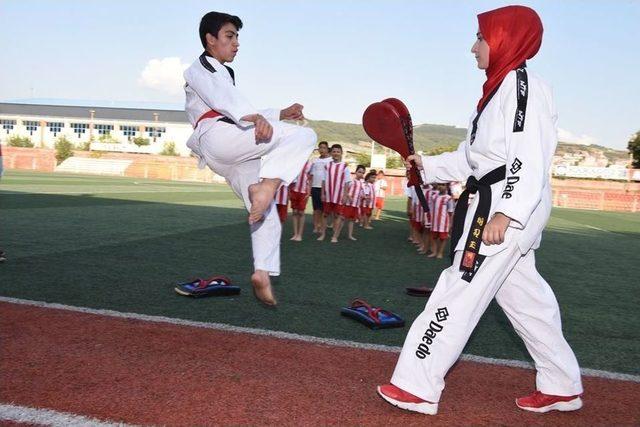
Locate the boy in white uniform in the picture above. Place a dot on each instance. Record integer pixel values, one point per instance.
(231, 137)
(506, 157)
(316, 175)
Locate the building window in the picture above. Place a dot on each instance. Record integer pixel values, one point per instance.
(32, 126)
(103, 129)
(7, 125)
(129, 131)
(154, 131)
(79, 128)
(55, 127)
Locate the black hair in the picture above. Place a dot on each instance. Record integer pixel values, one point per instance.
(360, 167)
(336, 146)
(369, 175)
(323, 143)
(213, 21)
(373, 171)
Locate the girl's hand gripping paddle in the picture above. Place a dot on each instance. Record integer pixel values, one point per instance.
(389, 124)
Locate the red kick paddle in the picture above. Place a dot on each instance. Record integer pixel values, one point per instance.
(389, 124)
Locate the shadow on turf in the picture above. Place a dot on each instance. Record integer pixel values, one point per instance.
(19, 200)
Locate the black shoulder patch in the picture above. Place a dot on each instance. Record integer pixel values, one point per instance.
(522, 90)
(233, 75)
(205, 63)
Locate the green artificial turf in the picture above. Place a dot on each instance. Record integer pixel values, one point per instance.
(122, 244)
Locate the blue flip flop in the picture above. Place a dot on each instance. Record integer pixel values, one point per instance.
(213, 286)
(373, 317)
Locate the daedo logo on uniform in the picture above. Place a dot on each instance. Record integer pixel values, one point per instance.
(434, 328)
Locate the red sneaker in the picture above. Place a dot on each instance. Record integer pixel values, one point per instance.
(540, 402)
(405, 400)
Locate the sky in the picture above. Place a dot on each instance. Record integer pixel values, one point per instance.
(334, 57)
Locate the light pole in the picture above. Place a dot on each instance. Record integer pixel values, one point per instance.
(92, 115)
(155, 129)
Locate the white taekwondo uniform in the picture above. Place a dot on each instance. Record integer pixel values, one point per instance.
(524, 140)
(228, 146)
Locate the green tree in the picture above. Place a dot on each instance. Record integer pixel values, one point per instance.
(169, 149)
(64, 149)
(20, 141)
(394, 162)
(362, 159)
(140, 141)
(634, 149)
(441, 149)
(107, 138)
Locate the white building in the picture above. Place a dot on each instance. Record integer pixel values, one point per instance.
(43, 124)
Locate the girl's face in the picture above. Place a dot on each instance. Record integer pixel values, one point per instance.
(481, 50)
(359, 173)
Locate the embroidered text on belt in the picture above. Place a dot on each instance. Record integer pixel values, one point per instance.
(474, 240)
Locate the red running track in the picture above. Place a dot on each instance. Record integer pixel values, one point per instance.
(148, 373)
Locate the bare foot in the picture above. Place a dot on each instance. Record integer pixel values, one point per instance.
(293, 237)
(422, 251)
(352, 238)
(321, 238)
(262, 287)
(261, 196)
(431, 255)
(368, 228)
(297, 238)
(334, 240)
(440, 256)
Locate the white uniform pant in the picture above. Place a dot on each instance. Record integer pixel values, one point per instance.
(233, 153)
(439, 334)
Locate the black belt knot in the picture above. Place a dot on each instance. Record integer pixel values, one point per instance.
(481, 186)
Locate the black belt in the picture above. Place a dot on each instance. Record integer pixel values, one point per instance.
(483, 187)
(227, 120)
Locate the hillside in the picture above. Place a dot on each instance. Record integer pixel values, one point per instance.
(430, 138)
(426, 137)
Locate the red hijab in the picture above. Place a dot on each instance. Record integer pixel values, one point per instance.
(514, 34)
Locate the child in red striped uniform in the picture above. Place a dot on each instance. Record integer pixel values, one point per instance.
(417, 221)
(368, 200)
(351, 209)
(299, 192)
(282, 199)
(441, 220)
(430, 194)
(381, 187)
(334, 192)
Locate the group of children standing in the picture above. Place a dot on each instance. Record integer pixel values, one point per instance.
(429, 230)
(337, 197)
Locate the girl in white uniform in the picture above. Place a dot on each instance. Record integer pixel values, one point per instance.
(251, 149)
(505, 160)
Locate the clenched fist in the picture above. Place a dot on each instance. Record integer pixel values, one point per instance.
(293, 112)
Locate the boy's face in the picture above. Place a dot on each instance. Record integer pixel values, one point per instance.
(323, 150)
(336, 154)
(359, 174)
(224, 47)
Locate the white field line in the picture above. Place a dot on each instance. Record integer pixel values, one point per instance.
(48, 417)
(297, 337)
